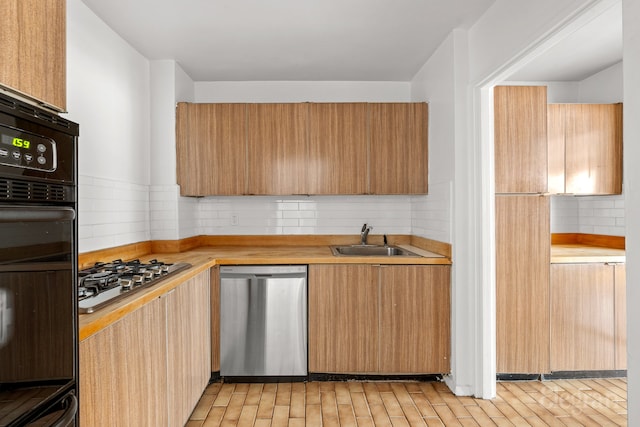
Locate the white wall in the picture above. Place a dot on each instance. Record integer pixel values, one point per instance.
(171, 217)
(435, 84)
(631, 31)
(108, 95)
(605, 87)
(302, 91)
(509, 32)
(442, 82)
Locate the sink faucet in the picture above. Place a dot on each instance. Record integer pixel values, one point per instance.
(364, 233)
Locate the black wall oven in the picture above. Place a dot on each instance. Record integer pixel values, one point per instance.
(38, 267)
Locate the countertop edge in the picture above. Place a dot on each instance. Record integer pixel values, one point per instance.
(96, 322)
(93, 323)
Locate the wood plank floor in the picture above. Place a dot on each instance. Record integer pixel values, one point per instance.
(599, 402)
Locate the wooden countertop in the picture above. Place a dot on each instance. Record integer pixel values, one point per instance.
(580, 253)
(205, 257)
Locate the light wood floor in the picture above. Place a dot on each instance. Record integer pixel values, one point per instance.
(550, 403)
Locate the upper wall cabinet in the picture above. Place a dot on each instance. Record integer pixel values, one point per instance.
(520, 139)
(277, 150)
(301, 148)
(399, 135)
(585, 148)
(338, 148)
(33, 46)
(211, 149)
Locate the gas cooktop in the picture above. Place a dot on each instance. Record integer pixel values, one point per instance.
(105, 283)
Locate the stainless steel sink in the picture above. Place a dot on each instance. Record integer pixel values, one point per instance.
(371, 250)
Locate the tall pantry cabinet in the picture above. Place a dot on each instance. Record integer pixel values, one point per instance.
(522, 230)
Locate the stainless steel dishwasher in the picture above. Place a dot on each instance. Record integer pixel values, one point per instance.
(263, 321)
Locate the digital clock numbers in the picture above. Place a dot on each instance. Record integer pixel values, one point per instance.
(21, 143)
(19, 148)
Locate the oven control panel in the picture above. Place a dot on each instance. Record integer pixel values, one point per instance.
(27, 150)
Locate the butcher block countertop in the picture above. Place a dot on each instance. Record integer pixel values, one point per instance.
(204, 257)
(570, 248)
(577, 253)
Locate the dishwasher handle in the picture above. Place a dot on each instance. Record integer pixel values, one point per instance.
(266, 271)
(262, 276)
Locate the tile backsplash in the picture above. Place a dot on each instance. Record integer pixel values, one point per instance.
(304, 215)
(588, 214)
(113, 213)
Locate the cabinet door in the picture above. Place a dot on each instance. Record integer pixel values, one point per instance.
(33, 46)
(556, 148)
(343, 319)
(399, 141)
(211, 149)
(593, 148)
(123, 371)
(520, 139)
(522, 283)
(215, 319)
(620, 314)
(188, 346)
(582, 320)
(338, 148)
(277, 148)
(414, 319)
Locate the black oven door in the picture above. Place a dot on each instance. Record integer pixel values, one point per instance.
(38, 314)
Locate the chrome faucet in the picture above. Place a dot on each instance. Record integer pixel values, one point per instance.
(364, 233)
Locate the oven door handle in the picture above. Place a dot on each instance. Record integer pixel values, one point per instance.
(36, 214)
(69, 415)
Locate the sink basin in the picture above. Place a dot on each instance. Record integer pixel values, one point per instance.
(370, 250)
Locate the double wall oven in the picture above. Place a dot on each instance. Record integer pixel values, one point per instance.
(38, 267)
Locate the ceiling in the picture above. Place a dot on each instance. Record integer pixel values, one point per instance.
(591, 48)
(332, 40)
(315, 40)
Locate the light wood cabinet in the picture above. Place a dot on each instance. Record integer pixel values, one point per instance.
(414, 319)
(211, 149)
(585, 148)
(150, 367)
(33, 46)
(123, 371)
(302, 148)
(343, 319)
(398, 149)
(215, 319)
(338, 161)
(522, 283)
(582, 317)
(520, 139)
(620, 316)
(366, 319)
(588, 317)
(277, 148)
(188, 346)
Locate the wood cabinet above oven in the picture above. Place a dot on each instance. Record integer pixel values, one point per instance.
(33, 45)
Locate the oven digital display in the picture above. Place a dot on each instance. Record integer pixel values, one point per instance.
(16, 141)
(26, 150)
(22, 143)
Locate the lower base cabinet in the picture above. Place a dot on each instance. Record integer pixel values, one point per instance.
(215, 318)
(188, 346)
(150, 367)
(588, 325)
(379, 319)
